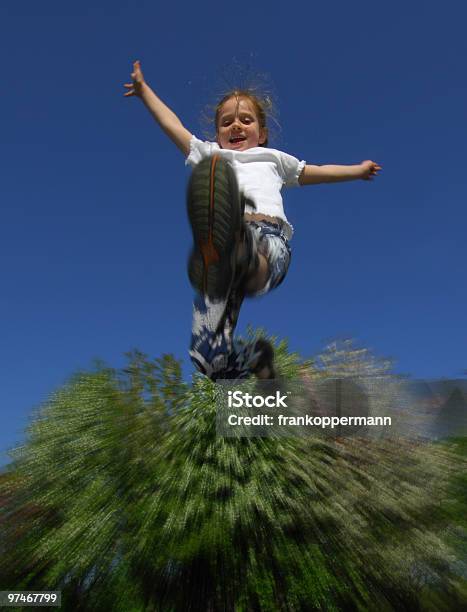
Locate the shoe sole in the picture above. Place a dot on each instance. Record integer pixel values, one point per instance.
(215, 213)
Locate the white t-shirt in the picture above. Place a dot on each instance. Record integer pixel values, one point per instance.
(261, 173)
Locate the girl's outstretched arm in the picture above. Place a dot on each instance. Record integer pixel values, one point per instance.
(166, 118)
(312, 175)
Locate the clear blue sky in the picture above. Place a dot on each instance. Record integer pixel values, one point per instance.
(94, 236)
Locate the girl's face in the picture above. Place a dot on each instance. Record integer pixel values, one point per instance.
(238, 127)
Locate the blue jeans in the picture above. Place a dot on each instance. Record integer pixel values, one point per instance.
(213, 350)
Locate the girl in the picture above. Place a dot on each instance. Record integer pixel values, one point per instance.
(240, 231)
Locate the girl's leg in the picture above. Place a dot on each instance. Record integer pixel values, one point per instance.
(213, 349)
(216, 353)
(258, 278)
(273, 259)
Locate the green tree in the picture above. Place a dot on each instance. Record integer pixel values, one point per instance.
(124, 498)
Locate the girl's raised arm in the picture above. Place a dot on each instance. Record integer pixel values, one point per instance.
(166, 118)
(313, 175)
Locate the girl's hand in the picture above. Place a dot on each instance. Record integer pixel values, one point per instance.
(369, 170)
(137, 77)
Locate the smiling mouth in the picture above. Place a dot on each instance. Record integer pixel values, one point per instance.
(235, 139)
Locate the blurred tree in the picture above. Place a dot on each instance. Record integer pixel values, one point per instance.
(124, 498)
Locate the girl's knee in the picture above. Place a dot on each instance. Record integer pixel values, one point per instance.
(259, 278)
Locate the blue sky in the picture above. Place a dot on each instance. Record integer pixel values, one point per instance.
(94, 236)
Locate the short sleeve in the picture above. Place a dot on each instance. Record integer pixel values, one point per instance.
(199, 150)
(291, 168)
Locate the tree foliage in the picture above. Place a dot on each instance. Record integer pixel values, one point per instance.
(124, 498)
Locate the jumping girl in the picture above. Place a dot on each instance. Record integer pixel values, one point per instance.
(240, 231)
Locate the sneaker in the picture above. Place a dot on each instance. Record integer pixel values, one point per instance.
(215, 209)
(264, 368)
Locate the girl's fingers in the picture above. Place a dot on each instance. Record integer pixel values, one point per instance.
(129, 93)
(127, 85)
